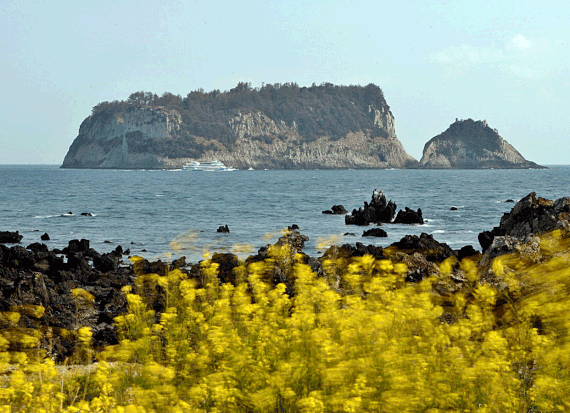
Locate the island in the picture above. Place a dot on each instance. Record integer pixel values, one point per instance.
(277, 126)
(469, 144)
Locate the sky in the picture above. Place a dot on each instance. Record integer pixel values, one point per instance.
(507, 62)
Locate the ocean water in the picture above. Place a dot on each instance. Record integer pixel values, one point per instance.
(162, 214)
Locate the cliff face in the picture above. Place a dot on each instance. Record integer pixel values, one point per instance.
(319, 127)
(111, 141)
(472, 144)
(282, 146)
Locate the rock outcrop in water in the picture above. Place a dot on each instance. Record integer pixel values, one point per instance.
(10, 237)
(276, 127)
(472, 144)
(379, 211)
(409, 216)
(336, 210)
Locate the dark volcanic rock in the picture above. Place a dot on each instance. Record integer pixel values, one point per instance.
(347, 251)
(409, 216)
(453, 209)
(466, 251)
(375, 232)
(530, 216)
(18, 257)
(37, 247)
(76, 245)
(226, 264)
(433, 250)
(419, 267)
(485, 238)
(378, 211)
(10, 237)
(45, 237)
(528, 246)
(280, 269)
(336, 210)
(223, 229)
(339, 210)
(107, 262)
(294, 239)
(37, 276)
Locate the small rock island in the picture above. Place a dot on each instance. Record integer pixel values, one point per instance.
(469, 144)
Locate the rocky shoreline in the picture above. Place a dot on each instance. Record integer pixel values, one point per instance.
(77, 286)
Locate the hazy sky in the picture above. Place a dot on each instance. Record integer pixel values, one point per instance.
(504, 61)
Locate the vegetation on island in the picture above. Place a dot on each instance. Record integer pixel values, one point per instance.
(356, 337)
(317, 111)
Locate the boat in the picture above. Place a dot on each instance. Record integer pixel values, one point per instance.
(209, 166)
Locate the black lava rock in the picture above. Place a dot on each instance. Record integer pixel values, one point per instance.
(433, 250)
(375, 232)
(10, 237)
(378, 211)
(466, 251)
(409, 216)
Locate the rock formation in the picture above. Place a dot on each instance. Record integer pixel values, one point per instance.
(409, 216)
(377, 212)
(336, 210)
(531, 216)
(381, 211)
(8, 237)
(124, 140)
(433, 250)
(283, 127)
(472, 144)
(375, 232)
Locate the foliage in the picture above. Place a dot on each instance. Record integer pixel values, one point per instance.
(498, 342)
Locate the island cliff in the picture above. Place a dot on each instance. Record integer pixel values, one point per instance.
(470, 144)
(276, 126)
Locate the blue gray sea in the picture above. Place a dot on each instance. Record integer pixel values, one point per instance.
(167, 214)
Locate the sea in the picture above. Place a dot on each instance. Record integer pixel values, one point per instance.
(166, 214)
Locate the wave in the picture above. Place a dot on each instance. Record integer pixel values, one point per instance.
(67, 214)
(439, 231)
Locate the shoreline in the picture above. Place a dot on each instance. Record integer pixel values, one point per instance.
(78, 286)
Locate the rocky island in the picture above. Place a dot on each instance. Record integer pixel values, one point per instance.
(280, 126)
(469, 144)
